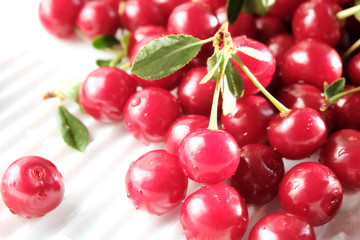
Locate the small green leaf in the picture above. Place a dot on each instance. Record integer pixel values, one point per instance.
(334, 88)
(71, 91)
(105, 42)
(234, 80)
(233, 9)
(213, 71)
(260, 7)
(163, 56)
(73, 131)
(109, 62)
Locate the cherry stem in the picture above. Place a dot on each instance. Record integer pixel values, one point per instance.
(347, 12)
(335, 98)
(80, 34)
(283, 110)
(353, 47)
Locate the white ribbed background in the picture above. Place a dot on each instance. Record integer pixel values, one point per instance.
(95, 204)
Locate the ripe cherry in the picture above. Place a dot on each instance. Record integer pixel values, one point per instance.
(258, 176)
(180, 128)
(104, 93)
(214, 4)
(311, 61)
(284, 8)
(312, 191)
(59, 16)
(167, 6)
(97, 18)
(155, 183)
(214, 212)
(282, 226)
(341, 153)
(149, 113)
(353, 70)
(32, 186)
(209, 156)
(268, 26)
(279, 44)
(240, 122)
(297, 135)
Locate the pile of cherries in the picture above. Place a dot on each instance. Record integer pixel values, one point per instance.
(240, 161)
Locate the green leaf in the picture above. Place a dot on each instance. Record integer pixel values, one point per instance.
(357, 15)
(71, 91)
(260, 7)
(105, 42)
(234, 80)
(109, 62)
(163, 56)
(213, 70)
(334, 88)
(72, 130)
(233, 9)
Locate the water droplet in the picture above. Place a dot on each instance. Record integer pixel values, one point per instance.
(136, 101)
(140, 192)
(342, 152)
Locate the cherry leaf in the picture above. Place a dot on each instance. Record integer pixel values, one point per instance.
(105, 42)
(334, 88)
(73, 131)
(163, 56)
(233, 9)
(260, 7)
(234, 80)
(108, 62)
(253, 52)
(213, 64)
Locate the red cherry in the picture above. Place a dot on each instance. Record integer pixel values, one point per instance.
(297, 135)
(258, 176)
(353, 70)
(284, 8)
(214, 4)
(240, 122)
(268, 26)
(155, 183)
(149, 113)
(104, 93)
(279, 44)
(282, 226)
(32, 186)
(167, 6)
(209, 156)
(341, 153)
(311, 61)
(180, 128)
(59, 16)
(312, 191)
(214, 212)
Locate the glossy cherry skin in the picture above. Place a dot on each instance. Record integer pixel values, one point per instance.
(279, 44)
(282, 226)
(104, 92)
(32, 186)
(149, 113)
(353, 70)
(262, 70)
(180, 128)
(193, 18)
(209, 156)
(284, 8)
(155, 183)
(268, 26)
(58, 17)
(167, 6)
(137, 13)
(214, 212)
(196, 98)
(311, 61)
(258, 176)
(312, 191)
(240, 122)
(214, 4)
(297, 135)
(299, 95)
(341, 153)
(317, 20)
(347, 109)
(97, 18)
(244, 24)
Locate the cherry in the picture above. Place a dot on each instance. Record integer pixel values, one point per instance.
(180, 128)
(317, 20)
(353, 70)
(240, 122)
(214, 212)
(312, 61)
(298, 134)
(32, 186)
(59, 16)
(282, 226)
(214, 4)
(196, 98)
(137, 13)
(341, 153)
(193, 18)
(155, 183)
(167, 6)
(268, 26)
(262, 70)
(209, 156)
(97, 18)
(312, 191)
(279, 44)
(244, 24)
(284, 8)
(104, 93)
(258, 176)
(149, 113)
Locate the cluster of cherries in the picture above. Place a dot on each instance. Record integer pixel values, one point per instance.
(240, 161)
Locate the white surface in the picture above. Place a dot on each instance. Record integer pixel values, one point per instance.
(95, 205)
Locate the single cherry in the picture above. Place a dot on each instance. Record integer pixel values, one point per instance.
(279, 44)
(353, 70)
(284, 8)
(268, 26)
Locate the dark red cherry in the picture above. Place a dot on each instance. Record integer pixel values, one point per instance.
(240, 122)
(258, 176)
(353, 70)
(284, 8)
(214, 4)
(279, 44)
(268, 26)
(167, 6)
